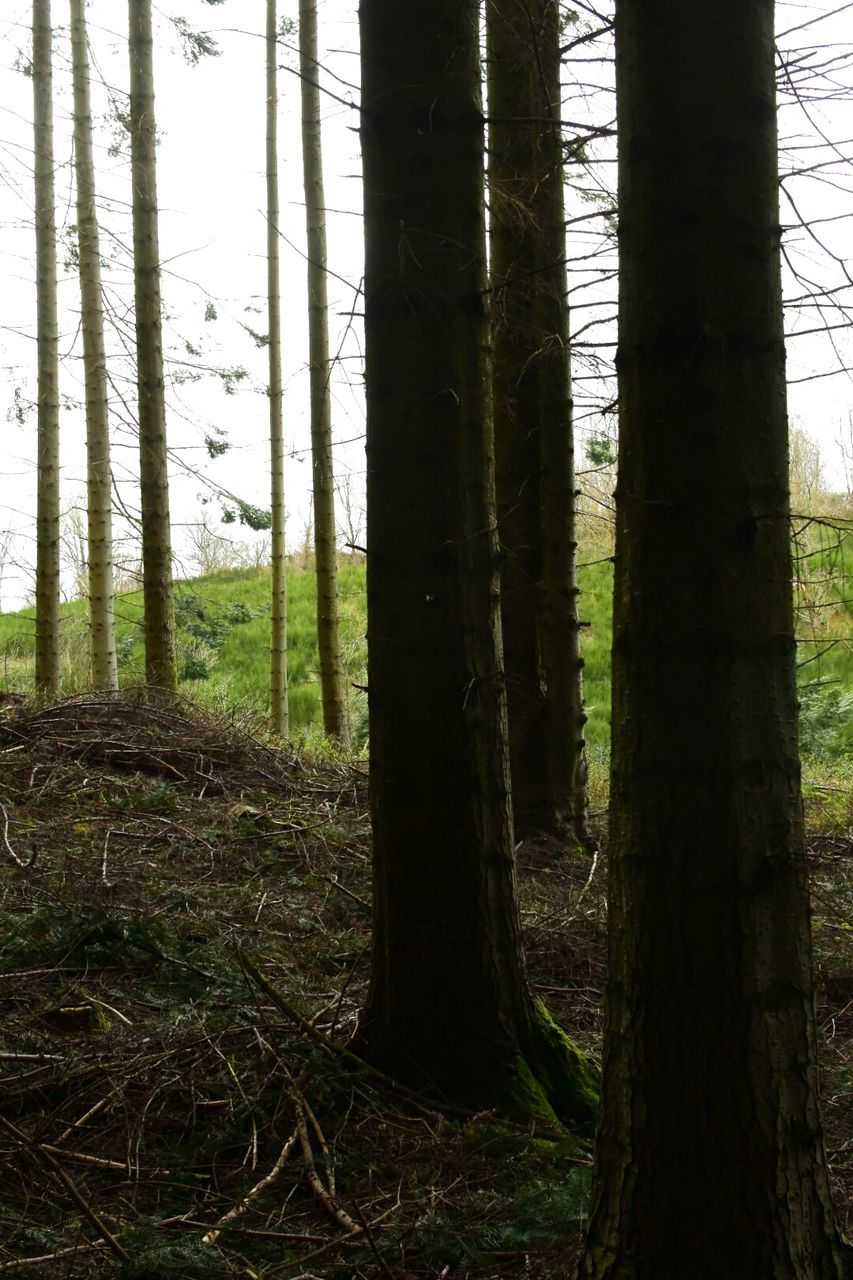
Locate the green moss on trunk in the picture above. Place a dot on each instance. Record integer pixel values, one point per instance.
(562, 1070)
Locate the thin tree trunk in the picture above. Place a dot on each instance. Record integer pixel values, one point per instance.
(335, 719)
(710, 1158)
(47, 515)
(160, 668)
(279, 712)
(449, 1004)
(533, 419)
(99, 486)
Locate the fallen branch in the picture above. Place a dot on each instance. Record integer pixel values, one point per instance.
(214, 1233)
(70, 1186)
(44, 1258)
(340, 1215)
(19, 862)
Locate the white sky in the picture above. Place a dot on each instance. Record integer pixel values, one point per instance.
(212, 196)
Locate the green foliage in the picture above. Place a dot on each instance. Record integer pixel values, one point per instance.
(83, 933)
(124, 650)
(195, 45)
(215, 444)
(156, 1256)
(823, 558)
(546, 1199)
(600, 450)
(260, 339)
(253, 517)
(826, 719)
(236, 613)
(596, 591)
(196, 660)
(231, 377)
(201, 632)
(828, 793)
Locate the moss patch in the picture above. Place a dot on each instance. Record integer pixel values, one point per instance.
(561, 1071)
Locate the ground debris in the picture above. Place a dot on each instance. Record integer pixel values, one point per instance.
(161, 1115)
(181, 970)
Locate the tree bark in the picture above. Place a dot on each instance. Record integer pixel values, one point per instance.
(449, 1004)
(99, 485)
(160, 667)
(710, 1158)
(534, 442)
(47, 514)
(335, 720)
(279, 706)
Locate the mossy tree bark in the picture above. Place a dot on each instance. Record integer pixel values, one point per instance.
(160, 666)
(335, 720)
(710, 1157)
(279, 703)
(449, 1005)
(47, 514)
(99, 485)
(534, 444)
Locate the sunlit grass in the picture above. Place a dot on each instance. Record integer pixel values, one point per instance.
(235, 670)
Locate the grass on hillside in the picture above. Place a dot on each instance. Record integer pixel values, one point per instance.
(823, 560)
(223, 654)
(223, 644)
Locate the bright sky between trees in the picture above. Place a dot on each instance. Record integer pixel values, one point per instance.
(211, 192)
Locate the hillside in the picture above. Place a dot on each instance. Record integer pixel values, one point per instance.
(223, 638)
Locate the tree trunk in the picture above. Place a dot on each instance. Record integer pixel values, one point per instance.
(533, 419)
(160, 669)
(47, 516)
(99, 486)
(279, 710)
(449, 1004)
(335, 721)
(710, 1155)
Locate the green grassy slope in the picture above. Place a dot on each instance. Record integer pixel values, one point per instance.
(223, 642)
(824, 570)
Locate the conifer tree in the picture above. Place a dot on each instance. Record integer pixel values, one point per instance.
(47, 515)
(325, 545)
(160, 664)
(99, 486)
(279, 709)
(449, 1004)
(533, 418)
(710, 1159)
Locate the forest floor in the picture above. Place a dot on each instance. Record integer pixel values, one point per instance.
(181, 967)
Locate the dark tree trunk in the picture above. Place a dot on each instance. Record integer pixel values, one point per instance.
(710, 1156)
(449, 1004)
(533, 418)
